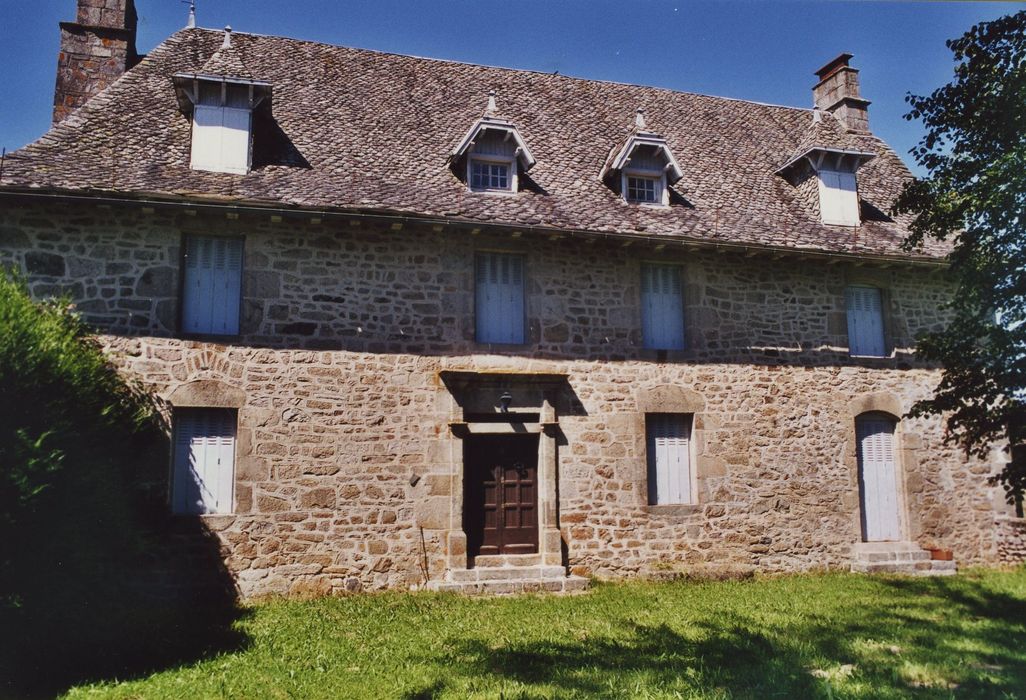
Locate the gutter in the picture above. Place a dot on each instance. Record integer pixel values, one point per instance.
(398, 221)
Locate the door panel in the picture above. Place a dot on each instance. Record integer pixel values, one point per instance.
(878, 480)
(501, 494)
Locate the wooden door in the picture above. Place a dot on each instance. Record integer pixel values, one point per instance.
(878, 479)
(500, 504)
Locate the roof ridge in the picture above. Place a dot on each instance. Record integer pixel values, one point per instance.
(506, 69)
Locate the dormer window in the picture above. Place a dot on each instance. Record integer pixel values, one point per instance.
(221, 100)
(838, 198)
(222, 126)
(643, 168)
(494, 154)
(828, 155)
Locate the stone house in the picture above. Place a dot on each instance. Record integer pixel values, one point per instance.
(423, 323)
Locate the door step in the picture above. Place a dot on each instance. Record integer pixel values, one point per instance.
(508, 580)
(898, 558)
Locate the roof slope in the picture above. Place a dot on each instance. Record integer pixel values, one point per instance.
(363, 130)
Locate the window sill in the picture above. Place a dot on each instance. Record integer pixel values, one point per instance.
(653, 355)
(674, 509)
(501, 193)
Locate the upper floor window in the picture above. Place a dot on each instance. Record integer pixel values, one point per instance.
(662, 307)
(670, 473)
(490, 175)
(499, 298)
(644, 190)
(203, 479)
(212, 285)
(838, 198)
(865, 321)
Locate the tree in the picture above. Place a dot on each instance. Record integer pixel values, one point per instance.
(974, 151)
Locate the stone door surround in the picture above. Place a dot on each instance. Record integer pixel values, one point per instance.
(475, 408)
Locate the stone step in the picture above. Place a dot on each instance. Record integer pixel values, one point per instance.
(929, 567)
(496, 560)
(506, 573)
(892, 556)
(563, 584)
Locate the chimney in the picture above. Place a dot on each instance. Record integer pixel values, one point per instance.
(95, 50)
(837, 92)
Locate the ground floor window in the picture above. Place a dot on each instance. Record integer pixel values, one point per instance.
(203, 477)
(668, 437)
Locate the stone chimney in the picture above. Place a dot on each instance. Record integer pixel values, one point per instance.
(95, 50)
(837, 92)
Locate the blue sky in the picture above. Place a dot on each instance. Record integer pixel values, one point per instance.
(763, 50)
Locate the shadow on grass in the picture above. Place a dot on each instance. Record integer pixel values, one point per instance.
(110, 586)
(918, 637)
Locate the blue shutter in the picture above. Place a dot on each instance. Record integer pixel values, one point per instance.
(662, 307)
(669, 459)
(865, 321)
(213, 285)
(204, 465)
(499, 307)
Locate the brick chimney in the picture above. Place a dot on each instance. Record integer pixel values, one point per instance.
(95, 50)
(837, 92)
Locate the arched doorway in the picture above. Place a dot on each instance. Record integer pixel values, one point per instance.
(879, 494)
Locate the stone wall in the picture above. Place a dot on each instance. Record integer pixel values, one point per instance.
(346, 327)
(1011, 540)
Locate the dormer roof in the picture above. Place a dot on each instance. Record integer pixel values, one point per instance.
(641, 137)
(226, 65)
(491, 121)
(826, 144)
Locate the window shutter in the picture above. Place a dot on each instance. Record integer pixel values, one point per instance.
(662, 307)
(235, 140)
(669, 459)
(838, 198)
(206, 137)
(865, 322)
(499, 307)
(204, 468)
(213, 285)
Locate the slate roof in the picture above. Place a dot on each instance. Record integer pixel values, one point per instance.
(364, 131)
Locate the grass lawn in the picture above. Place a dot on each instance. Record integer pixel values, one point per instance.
(825, 636)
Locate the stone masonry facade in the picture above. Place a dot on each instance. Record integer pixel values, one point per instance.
(344, 472)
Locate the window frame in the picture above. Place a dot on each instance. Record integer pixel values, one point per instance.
(489, 159)
(651, 463)
(828, 193)
(176, 418)
(885, 344)
(182, 263)
(523, 286)
(657, 177)
(683, 305)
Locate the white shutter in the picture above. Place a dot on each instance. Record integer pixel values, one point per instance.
(220, 139)
(669, 458)
(206, 137)
(662, 307)
(235, 140)
(204, 464)
(499, 306)
(213, 285)
(878, 479)
(838, 198)
(865, 322)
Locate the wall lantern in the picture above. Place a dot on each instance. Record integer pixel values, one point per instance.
(504, 401)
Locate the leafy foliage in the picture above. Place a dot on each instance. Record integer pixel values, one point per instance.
(975, 153)
(66, 417)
